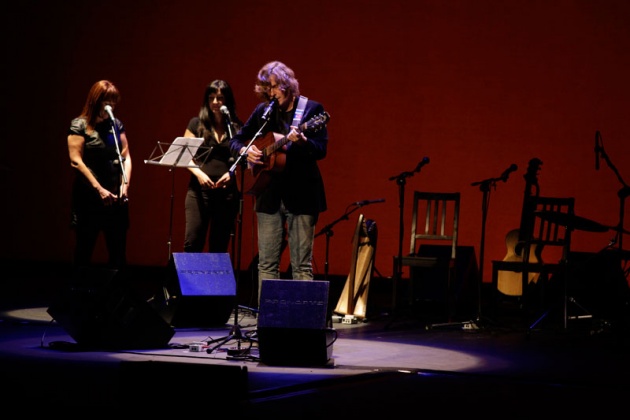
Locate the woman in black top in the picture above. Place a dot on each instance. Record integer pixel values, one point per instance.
(212, 197)
(96, 146)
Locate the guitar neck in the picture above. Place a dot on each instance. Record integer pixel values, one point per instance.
(275, 146)
(531, 191)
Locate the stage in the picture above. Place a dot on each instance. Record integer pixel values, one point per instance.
(391, 362)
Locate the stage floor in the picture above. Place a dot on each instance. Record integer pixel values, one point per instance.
(394, 362)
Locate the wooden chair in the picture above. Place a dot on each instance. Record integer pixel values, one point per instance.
(537, 254)
(435, 221)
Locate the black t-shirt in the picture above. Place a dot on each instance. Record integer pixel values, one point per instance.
(214, 158)
(100, 153)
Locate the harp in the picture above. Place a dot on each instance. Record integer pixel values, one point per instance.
(353, 300)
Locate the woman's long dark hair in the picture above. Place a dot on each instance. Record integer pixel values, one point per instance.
(205, 113)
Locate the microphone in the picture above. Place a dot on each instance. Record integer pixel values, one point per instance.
(423, 162)
(366, 202)
(108, 108)
(597, 150)
(225, 111)
(505, 175)
(269, 109)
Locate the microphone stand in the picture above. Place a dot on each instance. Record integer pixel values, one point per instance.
(622, 194)
(120, 159)
(236, 333)
(401, 180)
(240, 157)
(229, 125)
(484, 187)
(329, 232)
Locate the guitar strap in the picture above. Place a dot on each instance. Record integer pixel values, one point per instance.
(299, 111)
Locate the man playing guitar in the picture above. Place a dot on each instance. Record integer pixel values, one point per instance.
(290, 190)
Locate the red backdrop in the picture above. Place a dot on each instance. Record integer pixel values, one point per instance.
(475, 86)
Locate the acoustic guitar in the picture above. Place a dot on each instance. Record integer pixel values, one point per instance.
(511, 282)
(273, 150)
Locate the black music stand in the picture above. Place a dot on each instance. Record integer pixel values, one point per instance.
(184, 152)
